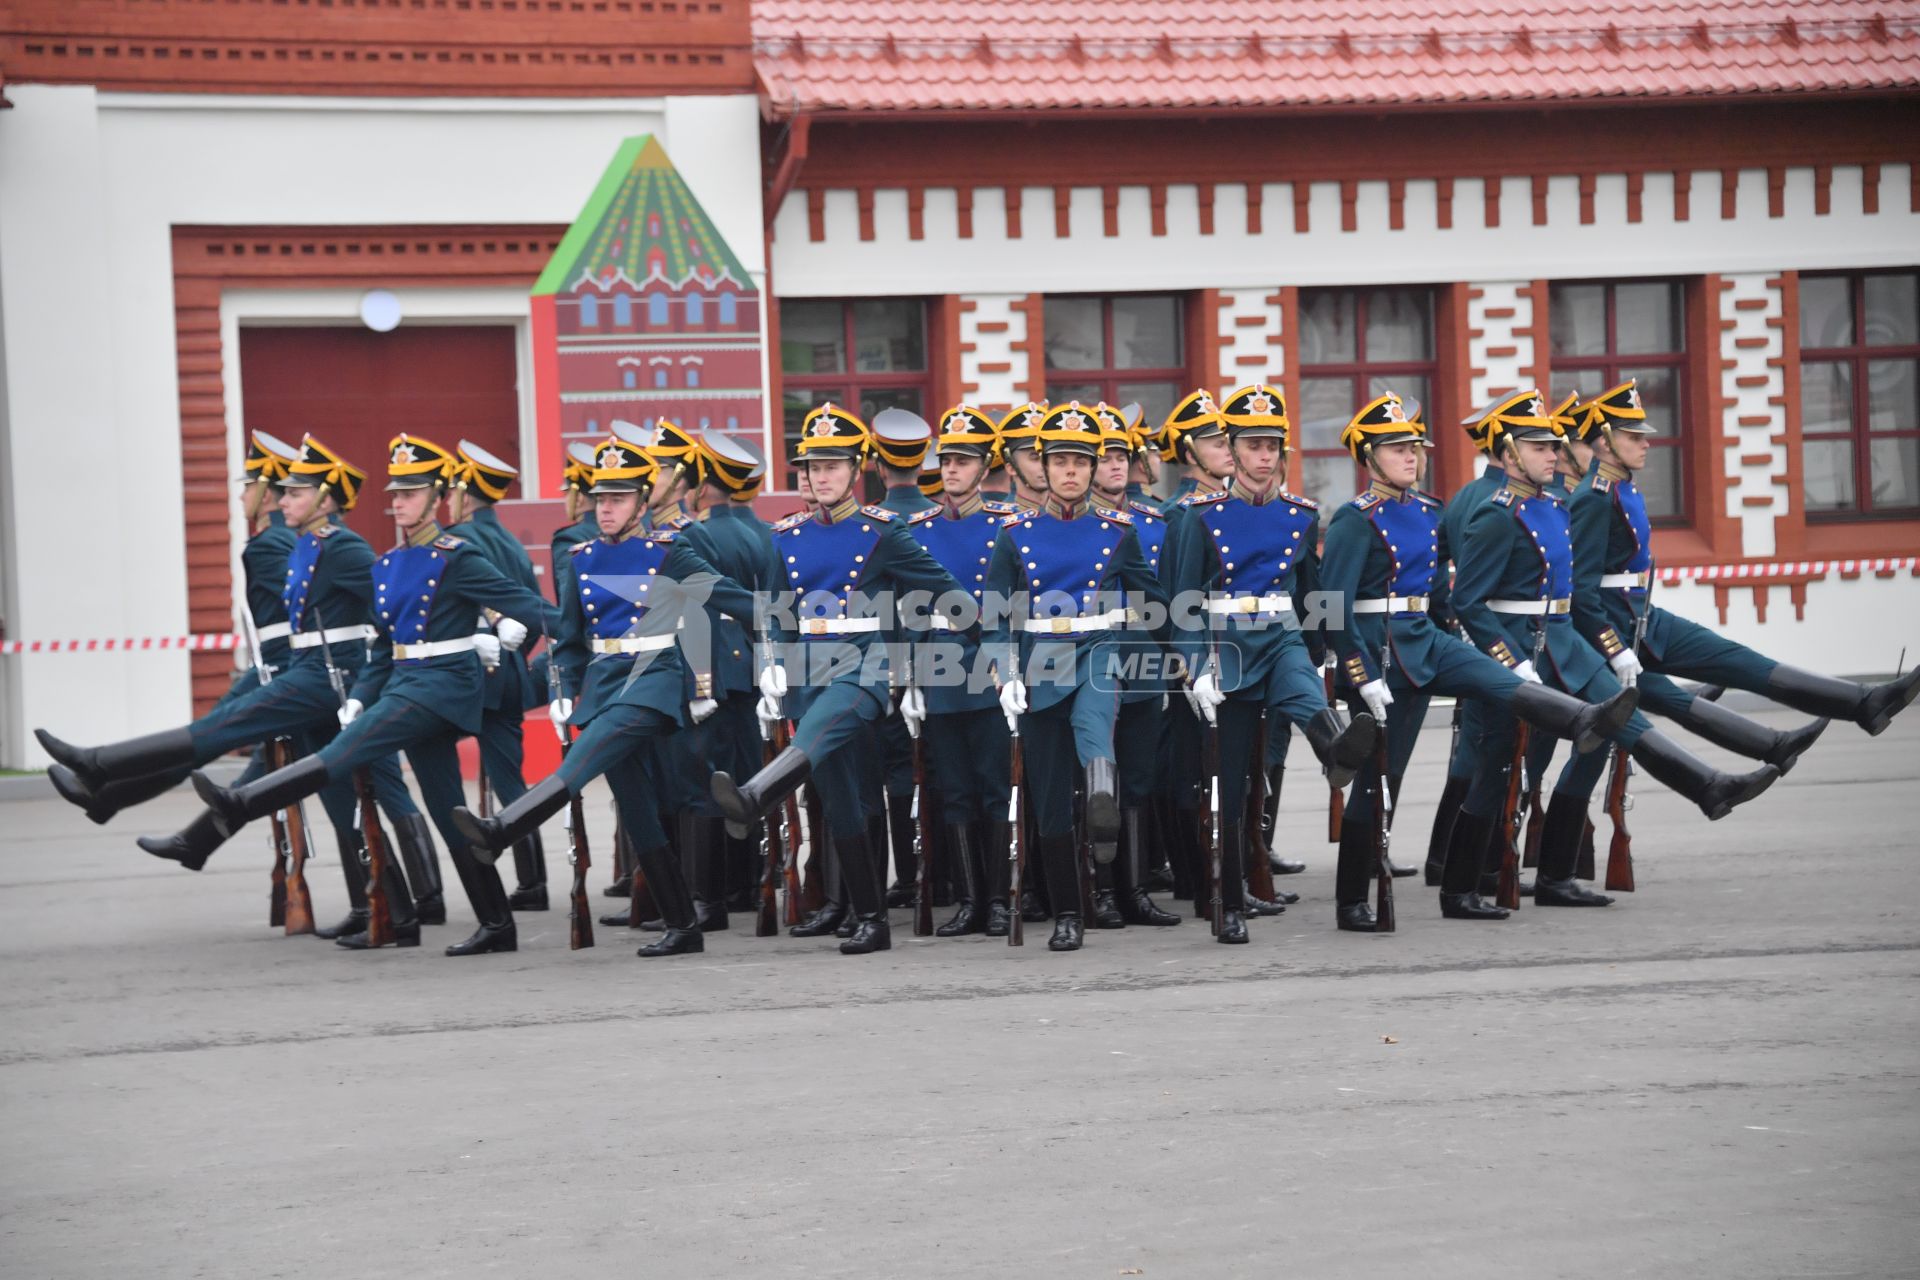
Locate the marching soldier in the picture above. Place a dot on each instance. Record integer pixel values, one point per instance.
(1379, 561)
(846, 565)
(479, 481)
(1614, 554)
(1513, 594)
(424, 682)
(1019, 449)
(1250, 549)
(1194, 437)
(1068, 570)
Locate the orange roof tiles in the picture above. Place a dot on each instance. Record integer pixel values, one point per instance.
(924, 55)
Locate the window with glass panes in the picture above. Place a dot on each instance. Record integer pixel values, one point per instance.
(1600, 334)
(862, 354)
(1123, 349)
(1860, 394)
(1355, 344)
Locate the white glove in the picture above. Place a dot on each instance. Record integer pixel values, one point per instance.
(560, 710)
(1013, 702)
(913, 709)
(512, 634)
(1526, 672)
(488, 647)
(773, 681)
(1377, 697)
(701, 708)
(1206, 696)
(767, 712)
(352, 708)
(1626, 665)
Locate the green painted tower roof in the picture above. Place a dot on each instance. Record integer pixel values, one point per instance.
(642, 220)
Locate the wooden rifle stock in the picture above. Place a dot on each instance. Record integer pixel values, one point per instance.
(1536, 823)
(277, 884)
(766, 919)
(1383, 918)
(1510, 815)
(579, 910)
(379, 911)
(1016, 849)
(299, 900)
(1259, 868)
(790, 832)
(1620, 851)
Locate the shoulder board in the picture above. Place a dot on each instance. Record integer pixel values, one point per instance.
(578, 547)
(1366, 501)
(1014, 518)
(1199, 496)
(921, 517)
(1502, 497)
(1602, 485)
(674, 522)
(879, 513)
(998, 508)
(1146, 509)
(447, 542)
(1108, 513)
(1299, 501)
(793, 521)
(666, 533)
(326, 531)
(1428, 499)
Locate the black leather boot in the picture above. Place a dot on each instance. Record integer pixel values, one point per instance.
(999, 876)
(1233, 880)
(95, 767)
(355, 920)
(530, 874)
(969, 914)
(1736, 733)
(1130, 872)
(190, 846)
(406, 925)
(1068, 932)
(1342, 749)
(415, 838)
(1555, 884)
(745, 803)
(514, 823)
(833, 906)
(1353, 877)
(680, 932)
(1677, 769)
(1452, 795)
(1585, 724)
(1059, 864)
(1106, 910)
(235, 807)
(906, 872)
(863, 865)
(622, 883)
(488, 897)
(1460, 887)
(103, 803)
(1103, 805)
(1871, 706)
(702, 848)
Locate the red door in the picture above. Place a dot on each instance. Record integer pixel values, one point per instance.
(357, 389)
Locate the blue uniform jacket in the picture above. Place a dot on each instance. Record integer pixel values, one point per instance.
(264, 562)
(329, 578)
(1518, 547)
(1381, 543)
(962, 542)
(510, 685)
(736, 545)
(1612, 534)
(1231, 548)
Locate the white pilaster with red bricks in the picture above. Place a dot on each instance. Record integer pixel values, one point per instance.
(1753, 420)
(993, 351)
(1500, 353)
(1250, 339)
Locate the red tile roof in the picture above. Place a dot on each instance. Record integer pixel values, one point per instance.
(920, 55)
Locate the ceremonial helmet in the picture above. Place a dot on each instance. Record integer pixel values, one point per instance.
(623, 464)
(966, 431)
(321, 468)
(1068, 428)
(1196, 415)
(1518, 415)
(1616, 410)
(1258, 412)
(901, 438)
(481, 472)
(268, 458)
(931, 485)
(673, 447)
(732, 464)
(1111, 426)
(1020, 429)
(1385, 419)
(415, 462)
(831, 432)
(577, 475)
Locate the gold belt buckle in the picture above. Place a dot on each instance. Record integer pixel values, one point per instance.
(1059, 626)
(816, 626)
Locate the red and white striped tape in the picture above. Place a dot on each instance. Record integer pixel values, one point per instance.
(1786, 569)
(124, 643)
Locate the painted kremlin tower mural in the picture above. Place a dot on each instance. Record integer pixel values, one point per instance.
(644, 313)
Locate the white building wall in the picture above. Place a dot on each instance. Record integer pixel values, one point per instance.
(993, 354)
(91, 185)
(1251, 347)
(1754, 420)
(1500, 356)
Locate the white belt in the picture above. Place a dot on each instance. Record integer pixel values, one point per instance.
(1530, 606)
(1392, 604)
(1640, 579)
(633, 644)
(838, 626)
(334, 635)
(431, 649)
(1278, 603)
(1080, 625)
(274, 631)
(939, 622)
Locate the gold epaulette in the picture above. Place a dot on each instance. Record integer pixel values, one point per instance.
(921, 517)
(1108, 513)
(879, 513)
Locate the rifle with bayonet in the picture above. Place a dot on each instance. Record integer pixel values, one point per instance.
(372, 838)
(1016, 844)
(290, 904)
(766, 920)
(1336, 799)
(1511, 811)
(579, 912)
(1383, 921)
(1620, 850)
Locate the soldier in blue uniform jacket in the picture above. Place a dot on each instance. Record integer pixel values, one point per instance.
(1120, 894)
(1195, 437)
(967, 744)
(1019, 432)
(847, 566)
(1513, 594)
(423, 681)
(641, 598)
(1062, 585)
(1613, 542)
(1250, 554)
(480, 480)
(1378, 565)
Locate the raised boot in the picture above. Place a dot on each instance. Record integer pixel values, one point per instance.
(863, 867)
(1452, 795)
(1103, 805)
(488, 897)
(1585, 724)
(406, 924)
(745, 803)
(190, 846)
(1678, 769)
(680, 935)
(1555, 884)
(970, 912)
(415, 838)
(1466, 854)
(95, 767)
(1130, 873)
(999, 876)
(351, 869)
(833, 907)
(1734, 732)
(1342, 749)
(530, 873)
(1871, 706)
(489, 836)
(104, 803)
(235, 807)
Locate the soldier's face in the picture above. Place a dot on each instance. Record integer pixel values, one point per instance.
(413, 507)
(615, 511)
(1257, 461)
(1631, 448)
(961, 475)
(297, 503)
(832, 479)
(1111, 478)
(1068, 475)
(1027, 469)
(1539, 459)
(1213, 455)
(1398, 464)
